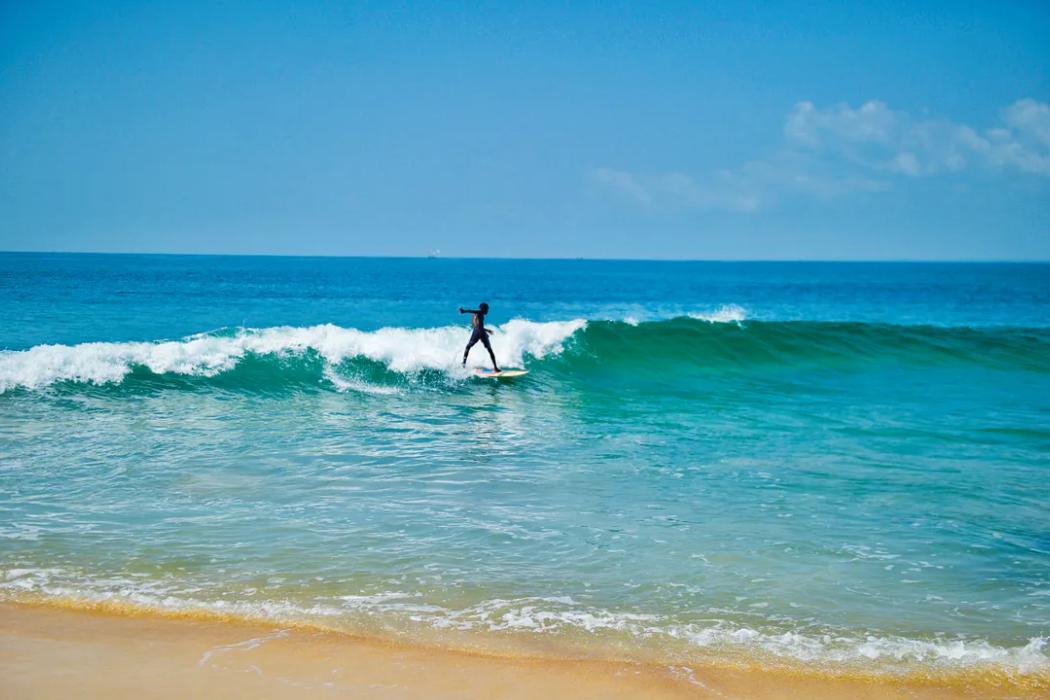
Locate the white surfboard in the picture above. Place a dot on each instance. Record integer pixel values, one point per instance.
(502, 374)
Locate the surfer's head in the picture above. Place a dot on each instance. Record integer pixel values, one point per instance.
(484, 307)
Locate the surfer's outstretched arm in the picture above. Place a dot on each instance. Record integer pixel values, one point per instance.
(469, 311)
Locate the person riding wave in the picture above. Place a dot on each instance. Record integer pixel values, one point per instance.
(479, 332)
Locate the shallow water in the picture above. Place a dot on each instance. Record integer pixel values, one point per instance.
(840, 463)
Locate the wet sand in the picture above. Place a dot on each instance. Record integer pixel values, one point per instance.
(52, 652)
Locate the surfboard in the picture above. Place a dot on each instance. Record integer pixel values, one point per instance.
(503, 374)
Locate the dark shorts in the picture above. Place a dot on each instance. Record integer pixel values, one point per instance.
(479, 334)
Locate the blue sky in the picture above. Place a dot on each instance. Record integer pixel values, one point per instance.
(892, 130)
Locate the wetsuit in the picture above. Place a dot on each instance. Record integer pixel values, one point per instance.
(478, 333)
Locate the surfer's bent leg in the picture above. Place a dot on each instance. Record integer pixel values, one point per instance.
(485, 341)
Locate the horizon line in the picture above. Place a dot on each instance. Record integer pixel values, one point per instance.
(973, 261)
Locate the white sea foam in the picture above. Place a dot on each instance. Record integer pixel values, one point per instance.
(562, 614)
(635, 314)
(540, 615)
(728, 313)
(345, 384)
(400, 349)
(1029, 658)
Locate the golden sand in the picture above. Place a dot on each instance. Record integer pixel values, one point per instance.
(55, 652)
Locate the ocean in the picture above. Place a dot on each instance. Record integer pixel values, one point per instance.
(835, 466)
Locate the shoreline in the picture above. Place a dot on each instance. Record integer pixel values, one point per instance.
(52, 650)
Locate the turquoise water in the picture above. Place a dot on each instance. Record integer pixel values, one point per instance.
(833, 463)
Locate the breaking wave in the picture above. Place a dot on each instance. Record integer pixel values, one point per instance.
(348, 359)
(400, 350)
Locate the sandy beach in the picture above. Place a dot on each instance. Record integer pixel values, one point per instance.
(51, 652)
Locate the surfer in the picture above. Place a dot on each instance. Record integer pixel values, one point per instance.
(479, 332)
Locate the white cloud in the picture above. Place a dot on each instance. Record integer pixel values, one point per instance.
(875, 137)
(1030, 118)
(624, 183)
(808, 126)
(839, 150)
(668, 191)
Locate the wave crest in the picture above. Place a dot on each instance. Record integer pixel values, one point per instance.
(729, 313)
(348, 359)
(402, 350)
